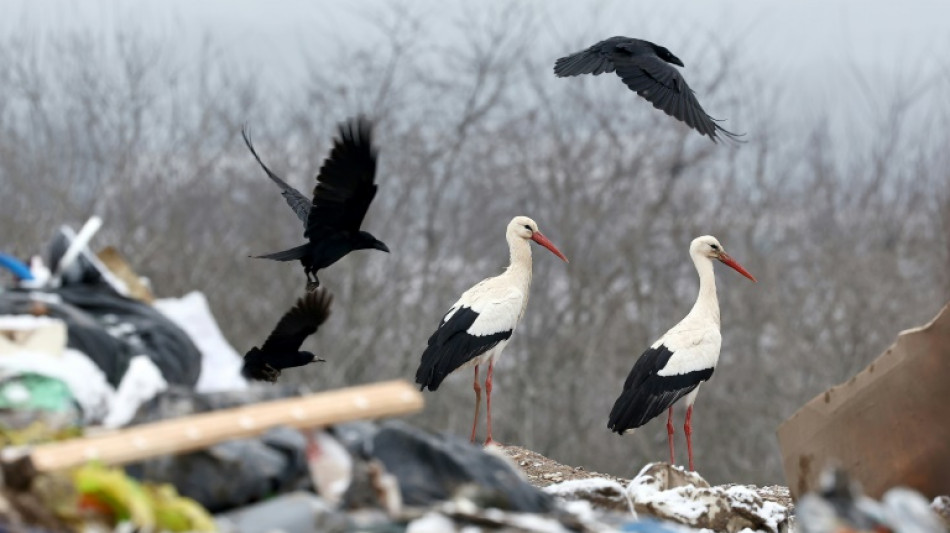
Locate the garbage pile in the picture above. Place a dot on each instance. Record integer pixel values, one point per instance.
(74, 342)
(85, 349)
(83, 346)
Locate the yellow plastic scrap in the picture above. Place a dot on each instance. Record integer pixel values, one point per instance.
(177, 513)
(147, 506)
(121, 494)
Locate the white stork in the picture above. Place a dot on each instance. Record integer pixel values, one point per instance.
(477, 327)
(682, 359)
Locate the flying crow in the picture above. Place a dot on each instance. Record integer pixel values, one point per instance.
(648, 70)
(345, 187)
(282, 348)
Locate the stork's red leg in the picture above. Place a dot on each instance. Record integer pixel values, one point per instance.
(669, 433)
(478, 402)
(491, 367)
(688, 428)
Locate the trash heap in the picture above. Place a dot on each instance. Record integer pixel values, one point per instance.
(86, 349)
(839, 505)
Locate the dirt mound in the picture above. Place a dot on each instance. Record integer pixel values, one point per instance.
(543, 471)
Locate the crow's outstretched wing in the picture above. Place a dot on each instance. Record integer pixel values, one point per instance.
(301, 321)
(663, 85)
(297, 201)
(346, 182)
(594, 60)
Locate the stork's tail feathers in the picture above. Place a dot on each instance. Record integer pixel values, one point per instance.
(630, 411)
(426, 375)
(287, 255)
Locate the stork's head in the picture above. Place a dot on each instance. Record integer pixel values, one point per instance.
(527, 229)
(709, 247)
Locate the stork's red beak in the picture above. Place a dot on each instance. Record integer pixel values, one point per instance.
(543, 241)
(725, 258)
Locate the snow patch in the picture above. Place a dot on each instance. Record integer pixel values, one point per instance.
(742, 497)
(672, 493)
(582, 485)
(603, 493)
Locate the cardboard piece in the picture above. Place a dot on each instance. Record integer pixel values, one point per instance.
(116, 263)
(889, 425)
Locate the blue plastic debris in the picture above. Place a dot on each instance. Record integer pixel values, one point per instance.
(17, 267)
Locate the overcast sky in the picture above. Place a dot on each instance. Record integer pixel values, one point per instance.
(806, 45)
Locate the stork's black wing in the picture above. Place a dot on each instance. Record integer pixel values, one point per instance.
(451, 346)
(663, 85)
(346, 182)
(647, 394)
(297, 201)
(300, 322)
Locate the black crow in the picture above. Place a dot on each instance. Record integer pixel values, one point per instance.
(647, 69)
(282, 348)
(345, 187)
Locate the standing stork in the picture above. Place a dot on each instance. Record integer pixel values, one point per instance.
(682, 359)
(477, 327)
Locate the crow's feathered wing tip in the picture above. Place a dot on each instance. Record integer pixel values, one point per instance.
(721, 133)
(358, 127)
(322, 301)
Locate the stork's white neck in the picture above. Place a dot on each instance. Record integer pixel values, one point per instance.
(520, 267)
(707, 303)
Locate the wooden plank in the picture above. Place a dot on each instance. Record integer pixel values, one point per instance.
(200, 431)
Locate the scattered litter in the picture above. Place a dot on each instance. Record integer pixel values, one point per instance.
(220, 363)
(110, 492)
(839, 505)
(142, 382)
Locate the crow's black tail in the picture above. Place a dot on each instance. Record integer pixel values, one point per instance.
(287, 255)
(256, 368)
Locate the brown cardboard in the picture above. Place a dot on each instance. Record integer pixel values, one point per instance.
(117, 264)
(889, 425)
